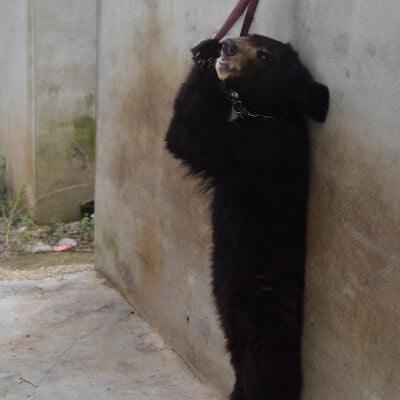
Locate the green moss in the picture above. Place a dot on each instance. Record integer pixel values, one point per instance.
(110, 244)
(85, 136)
(53, 148)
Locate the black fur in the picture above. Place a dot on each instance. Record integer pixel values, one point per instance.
(259, 171)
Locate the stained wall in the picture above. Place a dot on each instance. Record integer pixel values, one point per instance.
(16, 112)
(47, 102)
(153, 233)
(352, 333)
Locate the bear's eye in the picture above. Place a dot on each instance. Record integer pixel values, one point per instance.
(263, 55)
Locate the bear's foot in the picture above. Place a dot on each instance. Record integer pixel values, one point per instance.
(238, 392)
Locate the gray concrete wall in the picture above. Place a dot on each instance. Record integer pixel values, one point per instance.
(16, 142)
(352, 335)
(47, 103)
(64, 88)
(153, 231)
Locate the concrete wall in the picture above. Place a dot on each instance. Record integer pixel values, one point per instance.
(16, 112)
(47, 103)
(352, 336)
(65, 87)
(152, 229)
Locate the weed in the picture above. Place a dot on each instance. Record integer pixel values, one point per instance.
(87, 228)
(3, 189)
(18, 229)
(25, 237)
(15, 213)
(55, 230)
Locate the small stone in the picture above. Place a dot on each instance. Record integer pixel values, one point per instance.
(37, 248)
(37, 233)
(67, 242)
(74, 226)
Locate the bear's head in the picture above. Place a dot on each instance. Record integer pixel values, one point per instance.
(270, 78)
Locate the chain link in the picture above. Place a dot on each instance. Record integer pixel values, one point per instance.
(238, 107)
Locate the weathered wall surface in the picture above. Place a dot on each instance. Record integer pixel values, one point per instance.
(352, 335)
(152, 229)
(16, 144)
(64, 88)
(47, 102)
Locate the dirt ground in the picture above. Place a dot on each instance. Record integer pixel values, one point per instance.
(47, 265)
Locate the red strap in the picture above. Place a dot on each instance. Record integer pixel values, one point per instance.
(248, 19)
(236, 14)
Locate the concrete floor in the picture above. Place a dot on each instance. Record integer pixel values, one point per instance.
(72, 337)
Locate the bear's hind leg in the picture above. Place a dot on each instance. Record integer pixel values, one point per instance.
(234, 343)
(237, 357)
(271, 370)
(238, 392)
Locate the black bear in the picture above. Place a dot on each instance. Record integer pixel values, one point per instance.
(239, 123)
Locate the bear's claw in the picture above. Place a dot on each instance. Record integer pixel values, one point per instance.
(206, 52)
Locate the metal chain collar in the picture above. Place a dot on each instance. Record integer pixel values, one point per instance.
(237, 105)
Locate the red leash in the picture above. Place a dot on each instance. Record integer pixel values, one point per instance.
(240, 8)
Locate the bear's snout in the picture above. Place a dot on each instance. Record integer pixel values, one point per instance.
(229, 47)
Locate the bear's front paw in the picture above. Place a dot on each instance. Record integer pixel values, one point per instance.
(206, 52)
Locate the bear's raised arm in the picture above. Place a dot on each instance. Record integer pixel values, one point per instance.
(199, 132)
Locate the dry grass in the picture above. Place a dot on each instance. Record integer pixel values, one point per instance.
(18, 229)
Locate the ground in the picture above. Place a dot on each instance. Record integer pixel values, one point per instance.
(65, 334)
(20, 235)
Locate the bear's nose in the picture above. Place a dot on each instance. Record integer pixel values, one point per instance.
(229, 47)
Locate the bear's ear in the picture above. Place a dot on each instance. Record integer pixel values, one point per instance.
(312, 98)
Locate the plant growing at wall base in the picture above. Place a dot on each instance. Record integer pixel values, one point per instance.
(14, 212)
(87, 228)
